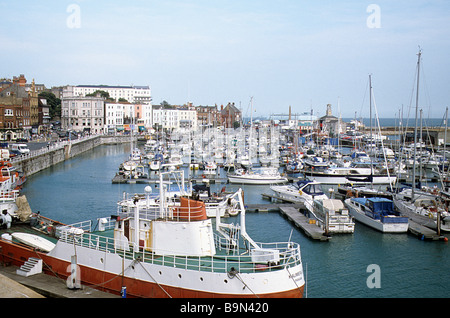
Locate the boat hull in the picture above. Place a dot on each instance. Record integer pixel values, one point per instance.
(257, 180)
(375, 224)
(343, 179)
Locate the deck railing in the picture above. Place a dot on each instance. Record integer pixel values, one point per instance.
(289, 253)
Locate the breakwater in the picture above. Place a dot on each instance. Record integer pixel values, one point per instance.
(44, 158)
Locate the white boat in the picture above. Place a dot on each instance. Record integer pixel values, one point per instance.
(34, 241)
(300, 191)
(424, 206)
(155, 165)
(210, 168)
(333, 216)
(174, 252)
(355, 175)
(378, 213)
(257, 176)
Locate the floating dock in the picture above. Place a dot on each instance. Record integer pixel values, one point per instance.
(301, 221)
(417, 228)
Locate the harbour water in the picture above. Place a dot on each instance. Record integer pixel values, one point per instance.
(345, 267)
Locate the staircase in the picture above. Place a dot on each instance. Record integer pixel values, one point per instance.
(31, 267)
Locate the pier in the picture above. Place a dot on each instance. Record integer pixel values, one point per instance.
(42, 286)
(301, 221)
(292, 212)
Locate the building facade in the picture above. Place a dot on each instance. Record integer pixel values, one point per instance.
(15, 110)
(132, 94)
(83, 114)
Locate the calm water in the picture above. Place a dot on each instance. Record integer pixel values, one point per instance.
(81, 189)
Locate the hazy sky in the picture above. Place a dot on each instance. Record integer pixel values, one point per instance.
(306, 54)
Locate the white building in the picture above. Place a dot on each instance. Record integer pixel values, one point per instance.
(139, 95)
(165, 117)
(174, 118)
(133, 94)
(188, 118)
(83, 114)
(114, 116)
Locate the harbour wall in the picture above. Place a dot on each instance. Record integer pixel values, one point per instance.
(46, 157)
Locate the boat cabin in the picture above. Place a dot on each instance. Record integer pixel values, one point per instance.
(379, 209)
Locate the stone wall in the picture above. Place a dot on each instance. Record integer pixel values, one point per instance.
(46, 157)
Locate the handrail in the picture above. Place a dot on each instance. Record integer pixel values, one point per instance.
(289, 255)
(56, 146)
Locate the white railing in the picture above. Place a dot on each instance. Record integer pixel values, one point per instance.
(289, 254)
(8, 195)
(44, 150)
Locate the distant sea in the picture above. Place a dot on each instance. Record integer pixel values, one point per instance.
(390, 122)
(393, 122)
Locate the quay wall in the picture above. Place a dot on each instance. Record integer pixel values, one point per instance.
(46, 157)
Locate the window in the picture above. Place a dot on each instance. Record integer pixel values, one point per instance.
(9, 112)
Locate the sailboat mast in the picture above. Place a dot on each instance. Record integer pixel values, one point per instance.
(371, 136)
(415, 128)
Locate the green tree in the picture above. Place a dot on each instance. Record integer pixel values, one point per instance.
(53, 102)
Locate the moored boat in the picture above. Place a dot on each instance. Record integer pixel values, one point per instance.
(356, 175)
(300, 191)
(167, 252)
(333, 216)
(378, 213)
(261, 176)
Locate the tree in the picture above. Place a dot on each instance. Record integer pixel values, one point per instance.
(53, 102)
(166, 105)
(103, 94)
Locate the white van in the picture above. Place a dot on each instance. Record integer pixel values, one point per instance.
(19, 148)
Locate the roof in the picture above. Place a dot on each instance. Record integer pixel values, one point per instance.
(379, 199)
(114, 86)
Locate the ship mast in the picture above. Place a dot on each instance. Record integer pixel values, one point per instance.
(415, 128)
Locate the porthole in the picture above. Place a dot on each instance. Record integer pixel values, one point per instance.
(201, 278)
(179, 275)
(225, 281)
(101, 260)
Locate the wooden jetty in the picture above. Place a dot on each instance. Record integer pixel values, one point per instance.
(301, 221)
(423, 232)
(293, 214)
(417, 228)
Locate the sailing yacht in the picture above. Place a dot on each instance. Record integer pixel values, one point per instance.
(425, 208)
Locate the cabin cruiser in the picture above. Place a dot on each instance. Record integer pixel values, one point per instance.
(332, 216)
(378, 213)
(300, 191)
(257, 176)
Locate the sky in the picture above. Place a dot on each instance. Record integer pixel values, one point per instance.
(278, 53)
